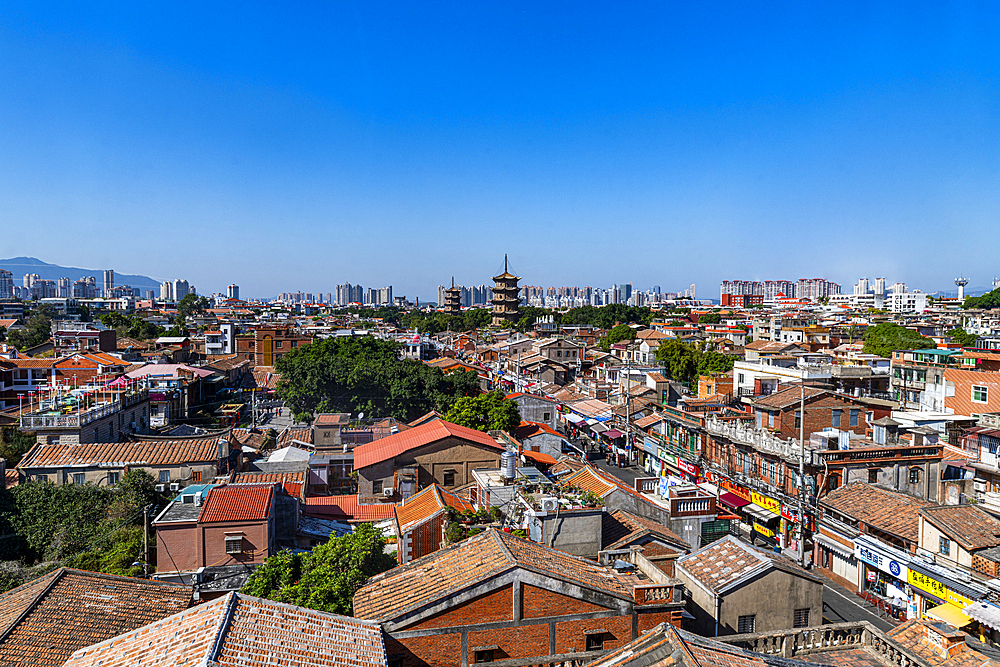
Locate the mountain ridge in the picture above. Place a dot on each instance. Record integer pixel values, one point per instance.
(19, 266)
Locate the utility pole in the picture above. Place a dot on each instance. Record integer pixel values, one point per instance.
(145, 541)
(802, 474)
(628, 411)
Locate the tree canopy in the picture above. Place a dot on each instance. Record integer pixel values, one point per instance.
(963, 337)
(326, 578)
(191, 304)
(885, 337)
(365, 374)
(37, 329)
(686, 361)
(616, 335)
(131, 326)
(710, 318)
(987, 301)
(486, 412)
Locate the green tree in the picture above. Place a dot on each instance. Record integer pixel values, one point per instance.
(365, 374)
(14, 444)
(37, 329)
(715, 362)
(486, 412)
(616, 335)
(963, 337)
(987, 301)
(679, 359)
(885, 337)
(325, 578)
(191, 304)
(710, 318)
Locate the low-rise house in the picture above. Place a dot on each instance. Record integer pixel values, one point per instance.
(222, 526)
(497, 597)
(537, 409)
(47, 619)
(173, 462)
(239, 630)
(738, 588)
(421, 520)
(540, 438)
(437, 452)
(959, 533)
(623, 530)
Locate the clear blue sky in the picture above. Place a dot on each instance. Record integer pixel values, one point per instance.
(294, 146)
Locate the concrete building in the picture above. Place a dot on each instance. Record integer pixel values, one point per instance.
(233, 292)
(109, 282)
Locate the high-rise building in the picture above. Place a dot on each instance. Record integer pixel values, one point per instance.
(879, 287)
(181, 289)
(150, 294)
(6, 284)
(29, 279)
(862, 287)
(109, 282)
(233, 292)
(624, 292)
(65, 288)
(166, 291)
(85, 288)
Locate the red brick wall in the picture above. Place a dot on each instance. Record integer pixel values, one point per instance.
(177, 548)
(540, 603)
(426, 538)
(819, 415)
(255, 543)
(570, 635)
(525, 641)
(435, 651)
(490, 608)
(649, 621)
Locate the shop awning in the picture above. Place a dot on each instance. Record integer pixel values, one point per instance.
(576, 419)
(950, 614)
(598, 428)
(759, 512)
(732, 500)
(614, 433)
(834, 545)
(985, 613)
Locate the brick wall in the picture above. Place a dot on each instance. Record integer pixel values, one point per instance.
(426, 538)
(819, 415)
(490, 608)
(539, 603)
(571, 635)
(435, 651)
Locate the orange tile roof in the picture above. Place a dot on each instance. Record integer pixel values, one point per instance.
(422, 506)
(292, 481)
(453, 569)
(238, 502)
(894, 513)
(45, 620)
(969, 525)
(419, 436)
(242, 631)
(539, 457)
(347, 508)
(621, 527)
(528, 429)
(120, 454)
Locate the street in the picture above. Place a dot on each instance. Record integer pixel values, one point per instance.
(839, 604)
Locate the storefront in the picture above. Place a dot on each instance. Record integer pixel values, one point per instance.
(884, 574)
(764, 516)
(940, 596)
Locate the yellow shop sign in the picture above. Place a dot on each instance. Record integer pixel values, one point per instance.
(770, 504)
(936, 588)
(763, 530)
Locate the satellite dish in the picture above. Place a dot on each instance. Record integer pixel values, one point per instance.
(361, 415)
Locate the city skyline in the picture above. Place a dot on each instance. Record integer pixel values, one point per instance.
(395, 132)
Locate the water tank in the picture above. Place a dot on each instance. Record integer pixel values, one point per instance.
(508, 465)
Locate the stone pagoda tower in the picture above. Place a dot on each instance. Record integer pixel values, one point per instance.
(453, 299)
(505, 297)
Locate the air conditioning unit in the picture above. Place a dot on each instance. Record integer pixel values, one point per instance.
(550, 504)
(160, 487)
(979, 485)
(175, 487)
(388, 493)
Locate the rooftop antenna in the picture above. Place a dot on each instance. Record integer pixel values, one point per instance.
(961, 282)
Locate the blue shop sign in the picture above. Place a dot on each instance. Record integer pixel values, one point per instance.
(881, 561)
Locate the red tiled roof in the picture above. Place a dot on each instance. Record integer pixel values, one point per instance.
(539, 457)
(970, 526)
(243, 631)
(425, 434)
(45, 620)
(144, 452)
(292, 481)
(894, 513)
(238, 502)
(346, 508)
(528, 429)
(426, 504)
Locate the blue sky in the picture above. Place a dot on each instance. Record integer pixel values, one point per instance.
(297, 147)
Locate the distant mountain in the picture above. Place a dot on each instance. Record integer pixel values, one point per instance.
(20, 266)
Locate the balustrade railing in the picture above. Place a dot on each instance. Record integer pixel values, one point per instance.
(825, 638)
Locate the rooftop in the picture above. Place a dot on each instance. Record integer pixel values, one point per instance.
(887, 511)
(419, 436)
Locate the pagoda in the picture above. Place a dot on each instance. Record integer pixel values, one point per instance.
(505, 297)
(453, 299)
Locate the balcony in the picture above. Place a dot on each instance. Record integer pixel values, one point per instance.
(826, 639)
(760, 440)
(54, 418)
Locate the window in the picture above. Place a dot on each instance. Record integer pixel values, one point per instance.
(835, 419)
(760, 419)
(979, 394)
(798, 419)
(279, 344)
(546, 416)
(41, 478)
(746, 624)
(944, 546)
(595, 641)
(854, 416)
(449, 478)
(112, 478)
(914, 475)
(770, 420)
(234, 544)
(800, 618)
(295, 343)
(558, 353)
(164, 476)
(833, 482)
(377, 487)
(873, 476)
(79, 478)
(485, 655)
(741, 378)
(196, 476)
